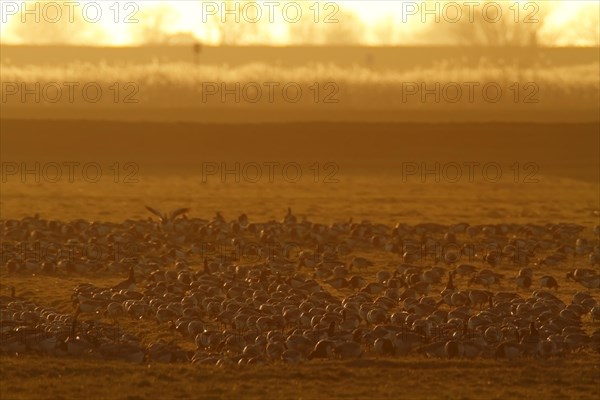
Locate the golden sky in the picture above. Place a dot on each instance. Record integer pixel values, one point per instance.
(565, 23)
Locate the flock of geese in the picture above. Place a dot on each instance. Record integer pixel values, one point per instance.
(240, 292)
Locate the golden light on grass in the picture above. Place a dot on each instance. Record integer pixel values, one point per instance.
(376, 200)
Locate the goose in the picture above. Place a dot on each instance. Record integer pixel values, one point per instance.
(373, 288)
(384, 346)
(75, 345)
(585, 299)
(493, 258)
(459, 228)
(165, 315)
(435, 349)
(479, 297)
(291, 357)
(13, 344)
(410, 256)
(13, 266)
(340, 271)
(243, 220)
(382, 276)
(348, 350)
(486, 278)
(89, 305)
(331, 329)
(127, 284)
(587, 280)
(299, 343)
(47, 343)
(548, 282)
(595, 313)
(404, 342)
(7, 299)
(530, 341)
(523, 281)
(114, 310)
(275, 350)
(547, 348)
(323, 349)
(130, 352)
(450, 285)
(459, 299)
(194, 328)
(337, 283)
(359, 263)
(509, 350)
(206, 268)
(289, 217)
(48, 267)
(241, 312)
(252, 350)
(493, 334)
(422, 309)
(472, 349)
(350, 321)
(161, 352)
(421, 288)
(376, 316)
(579, 273)
(454, 349)
(465, 269)
(136, 308)
(356, 282)
(576, 341)
(413, 279)
(165, 218)
(525, 272)
(446, 298)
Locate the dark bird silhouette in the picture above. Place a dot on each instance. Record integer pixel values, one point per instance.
(127, 283)
(72, 333)
(532, 337)
(450, 285)
(549, 282)
(10, 298)
(206, 268)
(164, 217)
(289, 218)
(524, 282)
(322, 349)
(331, 329)
(452, 348)
(387, 347)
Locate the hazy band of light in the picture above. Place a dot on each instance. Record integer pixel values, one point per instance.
(568, 23)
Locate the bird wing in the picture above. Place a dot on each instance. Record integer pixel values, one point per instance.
(174, 214)
(155, 212)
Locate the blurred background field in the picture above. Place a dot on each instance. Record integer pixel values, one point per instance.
(346, 170)
(352, 61)
(373, 84)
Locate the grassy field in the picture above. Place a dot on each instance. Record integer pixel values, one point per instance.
(372, 378)
(368, 180)
(369, 186)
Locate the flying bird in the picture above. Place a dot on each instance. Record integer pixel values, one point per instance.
(164, 217)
